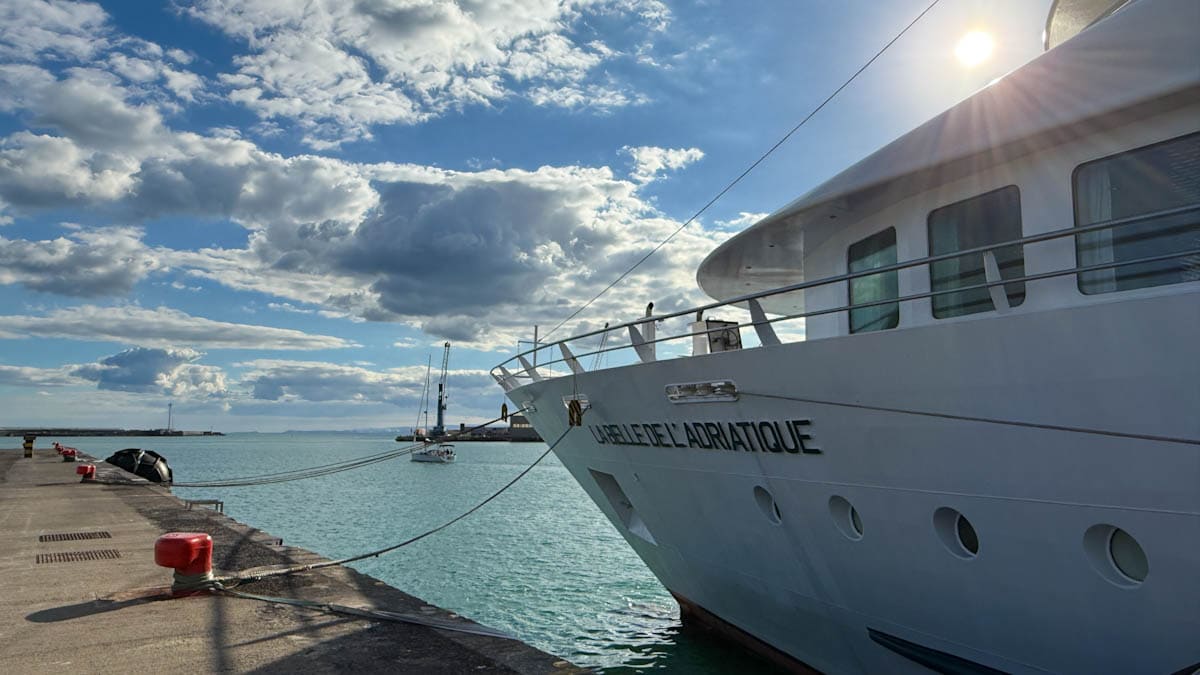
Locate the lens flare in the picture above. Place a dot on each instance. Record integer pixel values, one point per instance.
(974, 48)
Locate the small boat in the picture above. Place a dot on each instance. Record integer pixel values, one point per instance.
(441, 453)
(434, 450)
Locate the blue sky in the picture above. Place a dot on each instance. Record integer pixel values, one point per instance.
(272, 212)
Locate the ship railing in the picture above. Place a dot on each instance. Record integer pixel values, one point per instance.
(519, 369)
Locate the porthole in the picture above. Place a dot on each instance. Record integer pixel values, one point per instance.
(846, 517)
(956, 533)
(1116, 555)
(766, 503)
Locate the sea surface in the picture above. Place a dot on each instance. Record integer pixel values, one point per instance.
(540, 562)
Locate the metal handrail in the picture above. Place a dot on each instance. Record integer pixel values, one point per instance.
(1031, 239)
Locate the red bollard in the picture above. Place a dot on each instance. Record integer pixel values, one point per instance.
(190, 555)
(58, 448)
(87, 471)
(68, 454)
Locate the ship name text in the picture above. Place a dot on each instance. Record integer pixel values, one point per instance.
(790, 436)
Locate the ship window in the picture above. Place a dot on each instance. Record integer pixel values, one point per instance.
(877, 250)
(990, 218)
(1154, 178)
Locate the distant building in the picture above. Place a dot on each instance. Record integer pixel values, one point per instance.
(520, 430)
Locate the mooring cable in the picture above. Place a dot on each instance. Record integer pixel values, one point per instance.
(745, 173)
(335, 467)
(245, 577)
(227, 585)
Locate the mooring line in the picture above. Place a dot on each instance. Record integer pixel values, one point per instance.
(246, 578)
(729, 186)
(329, 469)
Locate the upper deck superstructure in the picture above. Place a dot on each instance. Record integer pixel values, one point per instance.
(1081, 91)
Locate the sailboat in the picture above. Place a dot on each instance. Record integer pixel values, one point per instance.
(435, 450)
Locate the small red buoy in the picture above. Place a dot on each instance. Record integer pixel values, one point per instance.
(190, 555)
(87, 471)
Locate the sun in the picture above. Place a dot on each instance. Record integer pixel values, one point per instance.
(974, 48)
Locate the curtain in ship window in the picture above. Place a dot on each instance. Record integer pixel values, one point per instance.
(990, 218)
(877, 250)
(1093, 204)
(1143, 181)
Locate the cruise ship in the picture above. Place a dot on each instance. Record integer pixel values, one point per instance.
(982, 453)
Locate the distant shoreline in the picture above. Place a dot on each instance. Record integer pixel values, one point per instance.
(67, 431)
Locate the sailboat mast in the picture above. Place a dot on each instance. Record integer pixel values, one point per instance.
(423, 408)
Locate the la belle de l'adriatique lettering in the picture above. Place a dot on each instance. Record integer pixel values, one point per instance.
(769, 436)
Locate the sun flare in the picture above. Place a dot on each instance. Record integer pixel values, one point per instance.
(974, 48)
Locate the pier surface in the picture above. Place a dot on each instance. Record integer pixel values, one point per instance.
(92, 612)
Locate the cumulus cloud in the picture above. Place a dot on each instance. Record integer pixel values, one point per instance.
(649, 162)
(318, 381)
(338, 68)
(744, 219)
(30, 29)
(172, 372)
(89, 263)
(111, 151)
(389, 242)
(71, 32)
(543, 240)
(162, 327)
(25, 376)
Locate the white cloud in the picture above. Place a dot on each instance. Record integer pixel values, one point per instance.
(544, 240)
(744, 219)
(339, 68)
(393, 242)
(30, 29)
(318, 381)
(162, 327)
(38, 171)
(649, 161)
(24, 376)
(112, 151)
(89, 263)
(172, 372)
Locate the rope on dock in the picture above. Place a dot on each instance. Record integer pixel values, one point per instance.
(328, 469)
(227, 585)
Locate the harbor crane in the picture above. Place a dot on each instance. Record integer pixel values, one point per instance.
(440, 430)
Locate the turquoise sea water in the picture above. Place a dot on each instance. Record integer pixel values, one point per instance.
(540, 562)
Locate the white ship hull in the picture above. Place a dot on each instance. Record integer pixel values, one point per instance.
(1038, 427)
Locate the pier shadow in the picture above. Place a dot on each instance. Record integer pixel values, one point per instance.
(92, 608)
(313, 639)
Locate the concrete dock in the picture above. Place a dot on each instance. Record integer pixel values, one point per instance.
(77, 571)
